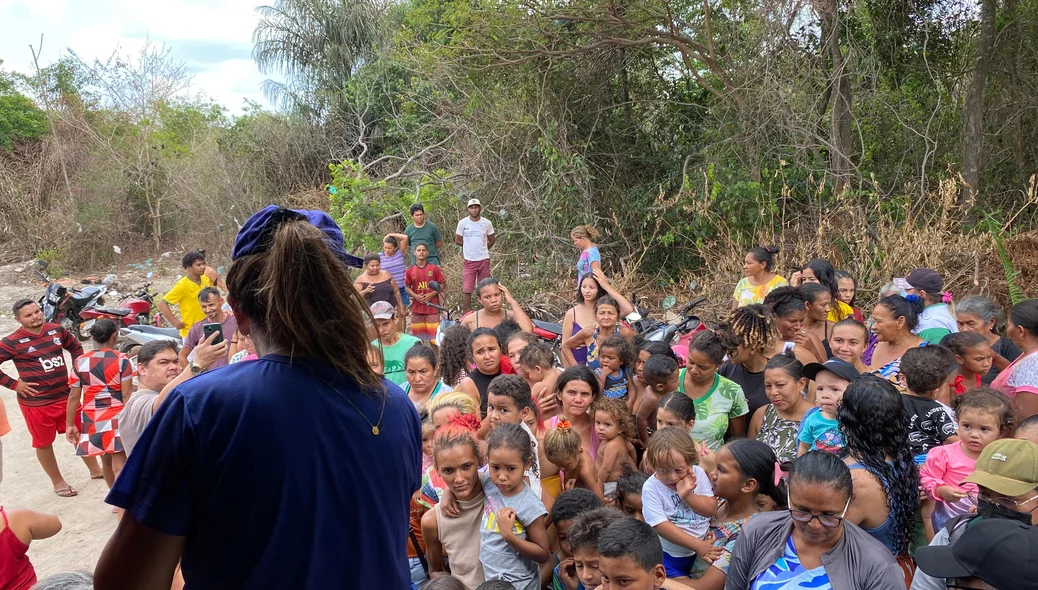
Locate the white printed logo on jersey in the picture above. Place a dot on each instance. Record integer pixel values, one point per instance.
(31, 349)
(52, 363)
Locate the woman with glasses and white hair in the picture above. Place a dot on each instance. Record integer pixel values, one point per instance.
(812, 545)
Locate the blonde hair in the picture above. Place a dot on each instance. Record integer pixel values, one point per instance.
(617, 408)
(561, 443)
(584, 231)
(665, 440)
(453, 399)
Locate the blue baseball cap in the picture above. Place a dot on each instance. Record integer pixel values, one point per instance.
(254, 237)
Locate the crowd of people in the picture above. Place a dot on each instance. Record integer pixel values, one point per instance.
(793, 445)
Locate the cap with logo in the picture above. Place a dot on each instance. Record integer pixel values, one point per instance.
(999, 551)
(474, 202)
(1008, 466)
(840, 368)
(922, 279)
(383, 310)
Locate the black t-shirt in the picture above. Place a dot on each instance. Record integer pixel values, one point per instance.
(1004, 347)
(752, 385)
(929, 424)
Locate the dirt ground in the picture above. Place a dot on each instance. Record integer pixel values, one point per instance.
(86, 520)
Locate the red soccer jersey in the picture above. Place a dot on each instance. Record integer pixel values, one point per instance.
(417, 279)
(40, 362)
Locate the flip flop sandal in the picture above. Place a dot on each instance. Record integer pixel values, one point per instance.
(68, 492)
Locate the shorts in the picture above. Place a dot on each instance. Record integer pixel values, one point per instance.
(424, 326)
(46, 422)
(472, 272)
(678, 566)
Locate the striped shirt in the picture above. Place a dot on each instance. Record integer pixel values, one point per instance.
(40, 362)
(395, 266)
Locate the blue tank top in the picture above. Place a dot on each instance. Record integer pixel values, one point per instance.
(884, 533)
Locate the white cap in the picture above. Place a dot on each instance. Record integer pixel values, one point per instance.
(474, 202)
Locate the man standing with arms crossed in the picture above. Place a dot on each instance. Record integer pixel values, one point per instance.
(476, 237)
(184, 294)
(42, 385)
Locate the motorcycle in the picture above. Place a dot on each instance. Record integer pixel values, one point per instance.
(677, 333)
(63, 306)
(137, 335)
(135, 309)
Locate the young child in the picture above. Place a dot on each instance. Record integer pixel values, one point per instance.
(564, 448)
(630, 556)
(513, 535)
(628, 494)
(581, 571)
(819, 429)
(20, 528)
(615, 428)
(924, 371)
(974, 356)
(985, 415)
(678, 501)
(661, 377)
(614, 370)
(509, 402)
(456, 455)
(537, 369)
(567, 508)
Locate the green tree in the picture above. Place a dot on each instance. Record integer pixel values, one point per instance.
(20, 118)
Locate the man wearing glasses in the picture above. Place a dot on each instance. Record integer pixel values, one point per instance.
(1006, 475)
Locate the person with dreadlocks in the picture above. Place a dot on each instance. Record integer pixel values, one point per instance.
(754, 329)
(789, 308)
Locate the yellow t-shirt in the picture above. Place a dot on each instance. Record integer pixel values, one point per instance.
(840, 311)
(184, 294)
(748, 294)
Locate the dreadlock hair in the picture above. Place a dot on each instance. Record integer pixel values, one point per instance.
(513, 437)
(454, 354)
(623, 349)
(875, 425)
(784, 301)
(460, 430)
(561, 444)
(992, 401)
(754, 326)
(617, 408)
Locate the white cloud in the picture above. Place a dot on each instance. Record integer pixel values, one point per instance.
(212, 37)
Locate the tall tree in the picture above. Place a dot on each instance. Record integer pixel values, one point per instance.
(973, 117)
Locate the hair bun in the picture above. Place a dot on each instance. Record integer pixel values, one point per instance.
(912, 298)
(772, 249)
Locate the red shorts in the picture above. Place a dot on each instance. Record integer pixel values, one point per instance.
(472, 272)
(46, 422)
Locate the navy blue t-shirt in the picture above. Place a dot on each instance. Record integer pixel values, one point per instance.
(276, 481)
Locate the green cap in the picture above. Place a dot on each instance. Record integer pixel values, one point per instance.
(1008, 466)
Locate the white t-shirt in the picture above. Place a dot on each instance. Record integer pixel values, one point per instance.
(661, 504)
(474, 238)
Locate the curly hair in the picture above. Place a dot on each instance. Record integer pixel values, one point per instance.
(875, 425)
(617, 408)
(623, 349)
(754, 327)
(783, 301)
(454, 354)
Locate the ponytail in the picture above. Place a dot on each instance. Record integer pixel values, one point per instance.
(279, 288)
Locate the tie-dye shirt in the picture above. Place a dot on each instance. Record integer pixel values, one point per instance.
(788, 574)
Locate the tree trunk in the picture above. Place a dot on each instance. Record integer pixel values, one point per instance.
(840, 133)
(973, 123)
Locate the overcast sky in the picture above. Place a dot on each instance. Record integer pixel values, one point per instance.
(212, 37)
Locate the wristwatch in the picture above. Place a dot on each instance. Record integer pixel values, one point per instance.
(197, 369)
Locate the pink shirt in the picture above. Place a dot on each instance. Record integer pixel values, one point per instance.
(946, 465)
(1020, 375)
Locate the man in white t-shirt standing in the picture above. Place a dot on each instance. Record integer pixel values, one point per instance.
(476, 237)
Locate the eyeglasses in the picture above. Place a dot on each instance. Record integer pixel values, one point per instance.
(826, 520)
(1003, 501)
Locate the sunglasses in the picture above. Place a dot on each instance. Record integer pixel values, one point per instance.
(826, 520)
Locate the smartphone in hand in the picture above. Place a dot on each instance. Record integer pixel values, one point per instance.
(209, 329)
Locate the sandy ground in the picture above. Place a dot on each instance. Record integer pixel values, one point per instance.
(86, 520)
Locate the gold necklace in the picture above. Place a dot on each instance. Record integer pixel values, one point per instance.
(374, 427)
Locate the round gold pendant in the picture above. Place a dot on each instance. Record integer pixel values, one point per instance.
(374, 430)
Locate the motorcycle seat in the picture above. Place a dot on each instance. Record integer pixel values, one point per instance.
(118, 312)
(167, 332)
(548, 326)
